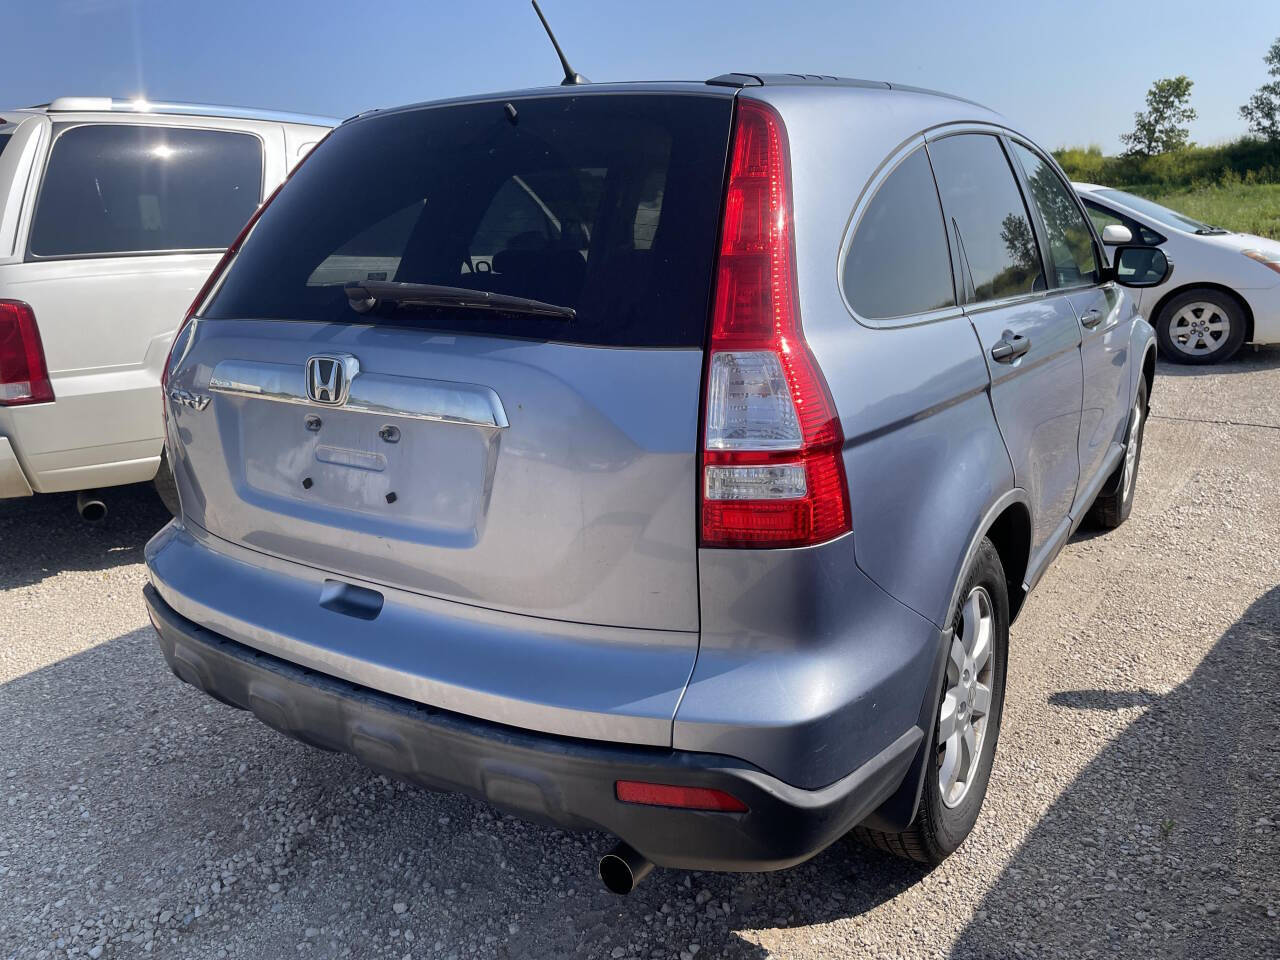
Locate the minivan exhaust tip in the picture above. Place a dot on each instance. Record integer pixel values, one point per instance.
(90, 506)
(622, 869)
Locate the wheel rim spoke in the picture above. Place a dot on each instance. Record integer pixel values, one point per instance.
(967, 702)
(1199, 328)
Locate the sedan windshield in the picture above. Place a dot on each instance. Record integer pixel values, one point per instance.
(1161, 215)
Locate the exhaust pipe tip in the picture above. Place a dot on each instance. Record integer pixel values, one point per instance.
(622, 869)
(90, 506)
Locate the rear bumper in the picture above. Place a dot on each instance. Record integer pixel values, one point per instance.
(13, 482)
(561, 780)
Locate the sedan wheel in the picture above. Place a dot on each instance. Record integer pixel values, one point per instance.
(1200, 329)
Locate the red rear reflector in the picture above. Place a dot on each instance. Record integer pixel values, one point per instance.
(686, 798)
(24, 377)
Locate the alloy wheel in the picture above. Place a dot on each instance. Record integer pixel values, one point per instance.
(966, 704)
(1199, 328)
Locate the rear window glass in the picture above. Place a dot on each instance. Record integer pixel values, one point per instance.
(608, 204)
(129, 188)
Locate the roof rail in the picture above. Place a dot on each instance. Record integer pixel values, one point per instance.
(166, 108)
(740, 80)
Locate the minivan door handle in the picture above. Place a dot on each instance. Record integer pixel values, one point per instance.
(1010, 347)
(1092, 317)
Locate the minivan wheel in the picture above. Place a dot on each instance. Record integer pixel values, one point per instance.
(166, 486)
(1200, 326)
(966, 725)
(1115, 503)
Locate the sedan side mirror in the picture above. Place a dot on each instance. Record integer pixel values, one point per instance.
(1114, 234)
(1141, 267)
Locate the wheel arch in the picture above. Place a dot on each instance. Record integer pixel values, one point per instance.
(1010, 534)
(1204, 285)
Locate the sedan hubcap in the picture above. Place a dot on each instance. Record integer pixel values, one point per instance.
(1199, 328)
(966, 704)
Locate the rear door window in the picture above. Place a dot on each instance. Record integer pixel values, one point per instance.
(113, 189)
(989, 224)
(898, 264)
(1071, 252)
(608, 204)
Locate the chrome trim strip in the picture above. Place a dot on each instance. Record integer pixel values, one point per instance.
(440, 401)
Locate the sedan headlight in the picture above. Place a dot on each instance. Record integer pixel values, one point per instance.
(1269, 260)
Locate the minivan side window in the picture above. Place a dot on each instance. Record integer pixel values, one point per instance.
(131, 188)
(990, 227)
(898, 264)
(1071, 251)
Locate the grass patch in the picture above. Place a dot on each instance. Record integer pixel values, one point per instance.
(1242, 207)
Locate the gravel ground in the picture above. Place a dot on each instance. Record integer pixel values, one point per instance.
(1133, 811)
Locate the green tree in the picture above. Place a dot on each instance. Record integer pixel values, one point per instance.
(1162, 127)
(1263, 109)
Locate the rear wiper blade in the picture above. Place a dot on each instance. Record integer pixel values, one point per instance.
(364, 296)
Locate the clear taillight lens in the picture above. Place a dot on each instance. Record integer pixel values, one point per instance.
(772, 459)
(24, 376)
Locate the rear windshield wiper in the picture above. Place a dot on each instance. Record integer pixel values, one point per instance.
(364, 296)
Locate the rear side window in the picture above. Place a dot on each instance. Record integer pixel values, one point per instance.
(609, 204)
(1070, 241)
(4, 140)
(128, 188)
(989, 223)
(898, 264)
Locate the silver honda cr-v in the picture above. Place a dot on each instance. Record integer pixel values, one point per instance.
(666, 458)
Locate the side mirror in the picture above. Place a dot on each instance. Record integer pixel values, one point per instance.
(1114, 234)
(1141, 267)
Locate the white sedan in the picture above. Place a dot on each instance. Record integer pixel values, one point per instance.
(1224, 290)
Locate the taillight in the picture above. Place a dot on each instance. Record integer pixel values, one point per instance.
(24, 376)
(772, 472)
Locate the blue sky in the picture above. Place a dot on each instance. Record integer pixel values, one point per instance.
(1062, 73)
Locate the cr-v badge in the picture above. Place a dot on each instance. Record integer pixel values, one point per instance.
(329, 378)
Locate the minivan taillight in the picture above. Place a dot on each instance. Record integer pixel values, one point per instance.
(772, 471)
(24, 376)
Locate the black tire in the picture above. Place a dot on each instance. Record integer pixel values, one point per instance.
(1114, 504)
(1168, 327)
(166, 486)
(939, 829)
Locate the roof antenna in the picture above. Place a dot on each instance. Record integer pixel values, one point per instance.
(570, 78)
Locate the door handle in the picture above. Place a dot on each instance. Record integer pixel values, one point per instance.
(1092, 317)
(1010, 347)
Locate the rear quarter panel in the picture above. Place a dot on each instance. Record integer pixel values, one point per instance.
(924, 457)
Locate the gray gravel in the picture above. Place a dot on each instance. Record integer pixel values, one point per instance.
(1133, 812)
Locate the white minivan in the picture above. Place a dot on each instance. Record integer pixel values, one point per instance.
(112, 214)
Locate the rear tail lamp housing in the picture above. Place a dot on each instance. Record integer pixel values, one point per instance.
(24, 375)
(772, 466)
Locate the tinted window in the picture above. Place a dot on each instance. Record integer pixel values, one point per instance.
(989, 223)
(4, 140)
(127, 188)
(607, 204)
(898, 264)
(1070, 242)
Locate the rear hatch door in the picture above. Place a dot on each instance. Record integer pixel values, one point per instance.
(541, 463)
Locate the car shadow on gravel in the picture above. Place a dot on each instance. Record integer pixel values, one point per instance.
(1248, 360)
(43, 535)
(1164, 846)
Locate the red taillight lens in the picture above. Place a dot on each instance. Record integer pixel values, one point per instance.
(24, 376)
(687, 798)
(772, 469)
